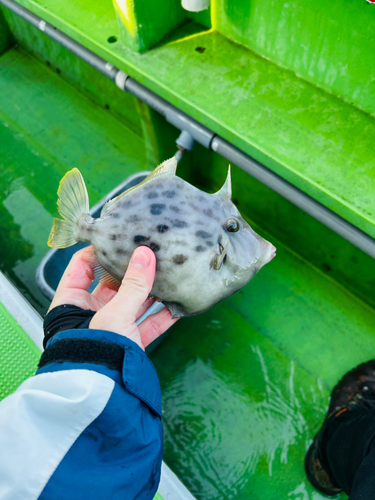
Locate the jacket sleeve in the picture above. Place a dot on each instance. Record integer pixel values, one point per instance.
(86, 426)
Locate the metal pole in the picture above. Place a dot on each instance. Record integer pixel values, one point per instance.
(203, 135)
(312, 207)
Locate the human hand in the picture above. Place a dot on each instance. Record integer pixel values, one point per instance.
(116, 311)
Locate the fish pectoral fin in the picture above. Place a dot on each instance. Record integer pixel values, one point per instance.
(221, 256)
(102, 275)
(168, 167)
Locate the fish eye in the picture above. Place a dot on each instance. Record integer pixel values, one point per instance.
(232, 226)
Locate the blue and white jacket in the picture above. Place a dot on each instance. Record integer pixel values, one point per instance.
(87, 426)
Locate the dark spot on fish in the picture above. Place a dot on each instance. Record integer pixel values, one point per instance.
(157, 208)
(153, 194)
(154, 246)
(175, 209)
(89, 229)
(200, 49)
(203, 234)
(162, 228)
(134, 218)
(199, 248)
(326, 267)
(121, 251)
(200, 198)
(169, 193)
(113, 237)
(180, 259)
(106, 106)
(195, 207)
(126, 204)
(208, 212)
(209, 243)
(180, 223)
(140, 239)
(115, 215)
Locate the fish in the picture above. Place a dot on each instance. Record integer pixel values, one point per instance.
(205, 251)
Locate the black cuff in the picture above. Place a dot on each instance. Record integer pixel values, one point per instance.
(97, 352)
(65, 317)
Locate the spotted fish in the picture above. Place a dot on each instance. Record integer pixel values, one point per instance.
(205, 251)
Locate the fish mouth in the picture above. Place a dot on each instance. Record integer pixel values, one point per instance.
(273, 252)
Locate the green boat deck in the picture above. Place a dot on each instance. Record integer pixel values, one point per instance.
(245, 385)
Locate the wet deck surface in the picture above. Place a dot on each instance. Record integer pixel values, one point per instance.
(245, 385)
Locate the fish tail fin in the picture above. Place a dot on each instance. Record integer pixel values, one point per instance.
(72, 203)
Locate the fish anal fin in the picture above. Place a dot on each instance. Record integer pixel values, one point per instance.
(105, 278)
(101, 275)
(168, 167)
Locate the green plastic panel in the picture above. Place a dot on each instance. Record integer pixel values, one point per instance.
(6, 39)
(143, 23)
(329, 43)
(19, 356)
(313, 139)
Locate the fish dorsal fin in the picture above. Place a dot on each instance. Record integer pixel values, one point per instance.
(225, 193)
(168, 167)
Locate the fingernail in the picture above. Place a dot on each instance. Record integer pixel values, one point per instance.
(140, 258)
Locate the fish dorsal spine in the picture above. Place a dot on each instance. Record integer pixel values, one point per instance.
(168, 167)
(225, 193)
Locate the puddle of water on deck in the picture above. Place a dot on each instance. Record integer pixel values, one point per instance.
(220, 435)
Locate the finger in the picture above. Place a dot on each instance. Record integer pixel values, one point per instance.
(137, 282)
(120, 313)
(155, 325)
(145, 306)
(77, 275)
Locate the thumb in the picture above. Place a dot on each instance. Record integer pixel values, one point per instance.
(120, 313)
(138, 280)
